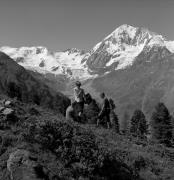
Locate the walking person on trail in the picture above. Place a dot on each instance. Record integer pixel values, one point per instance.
(105, 111)
(79, 96)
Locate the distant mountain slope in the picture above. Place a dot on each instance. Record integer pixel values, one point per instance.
(148, 81)
(15, 81)
(127, 65)
(57, 82)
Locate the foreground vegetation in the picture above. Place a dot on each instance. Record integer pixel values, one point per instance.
(36, 144)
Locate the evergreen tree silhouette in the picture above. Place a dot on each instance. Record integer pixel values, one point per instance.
(161, 124)
(113, 116)
(139, 126)
(114, 121)
(125, 123)
(13, 90)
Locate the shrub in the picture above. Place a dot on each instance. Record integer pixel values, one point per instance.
(13, 90)
(78, 150)
(91, 111)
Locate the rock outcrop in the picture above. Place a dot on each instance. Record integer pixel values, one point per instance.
(23, 166)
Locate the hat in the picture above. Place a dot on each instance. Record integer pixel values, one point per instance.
(78, 83)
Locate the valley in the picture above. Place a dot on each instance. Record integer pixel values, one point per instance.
(125, 65)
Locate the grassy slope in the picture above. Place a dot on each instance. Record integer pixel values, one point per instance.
(111, 155)
(152, 161)
(56, 82)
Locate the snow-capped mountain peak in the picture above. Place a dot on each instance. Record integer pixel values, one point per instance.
(42, 60)
(123, 45)
(123, 30)
(130, 35)
(116, 51)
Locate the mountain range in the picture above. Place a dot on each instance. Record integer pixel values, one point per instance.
(116, 51)
(134, 66)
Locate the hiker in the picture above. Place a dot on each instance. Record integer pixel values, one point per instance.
(105, 111)
(79, 96)
(70, 112)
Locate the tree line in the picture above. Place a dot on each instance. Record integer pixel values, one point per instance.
(159, 129)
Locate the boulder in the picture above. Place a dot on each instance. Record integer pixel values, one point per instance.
(7, 103)
(7, 111)
(16, 158)
(20, 166)
(9, 115)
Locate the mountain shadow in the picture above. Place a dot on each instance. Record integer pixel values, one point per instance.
(15, 81)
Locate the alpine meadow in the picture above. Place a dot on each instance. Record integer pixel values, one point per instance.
(99, 113)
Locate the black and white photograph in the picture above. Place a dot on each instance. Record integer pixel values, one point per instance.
(86, 89)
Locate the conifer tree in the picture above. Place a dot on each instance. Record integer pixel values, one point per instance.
(125, 123)
(161, 124)
(172, 123)
(139, 125)
(113, 116)
(115, 121)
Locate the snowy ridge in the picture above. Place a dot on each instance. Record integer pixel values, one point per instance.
(125, 43)
(129, 54)
(170, 45)
(118, 49)
(40, 59)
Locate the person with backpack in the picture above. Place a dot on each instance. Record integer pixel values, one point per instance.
(105, 111)
(79, 96)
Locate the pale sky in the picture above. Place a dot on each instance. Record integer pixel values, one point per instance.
(63, 24)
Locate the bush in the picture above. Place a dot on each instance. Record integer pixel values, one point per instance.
(78, 150)
(91, 111)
